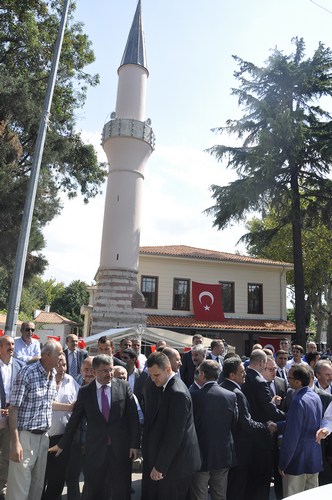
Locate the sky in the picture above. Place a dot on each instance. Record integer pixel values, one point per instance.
(189, 44)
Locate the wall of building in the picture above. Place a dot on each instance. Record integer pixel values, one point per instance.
(167, 268)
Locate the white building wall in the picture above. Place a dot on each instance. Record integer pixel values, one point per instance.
(166, 269)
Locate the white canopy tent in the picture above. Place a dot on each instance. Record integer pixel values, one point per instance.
(150, 336)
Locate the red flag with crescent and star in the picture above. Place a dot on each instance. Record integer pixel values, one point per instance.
(207, 302)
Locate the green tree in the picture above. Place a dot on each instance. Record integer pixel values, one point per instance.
(286, 149)
(70, 301)
(27, 38)
(317, 255)
(39, 293)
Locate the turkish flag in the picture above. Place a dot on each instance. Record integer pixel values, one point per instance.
(207, 302)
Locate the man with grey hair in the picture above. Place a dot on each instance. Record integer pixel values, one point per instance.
(188, 368)
(263, 409)
(113, 432)
(215, 417)
(30, 417)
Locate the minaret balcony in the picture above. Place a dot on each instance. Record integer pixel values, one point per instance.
(128, 127)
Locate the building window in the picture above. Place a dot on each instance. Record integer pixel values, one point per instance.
(149, 288)
(181, 294)
(227, 288)
(255, 298)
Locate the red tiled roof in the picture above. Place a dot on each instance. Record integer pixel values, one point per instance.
(53, 318)
(201, 253)
(257, 325)
(3, 318)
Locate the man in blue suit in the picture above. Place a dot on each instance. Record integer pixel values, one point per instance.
(300, 455)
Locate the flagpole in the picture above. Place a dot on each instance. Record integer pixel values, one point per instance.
(23, 241)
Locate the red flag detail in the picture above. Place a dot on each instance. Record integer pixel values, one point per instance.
(2, 332)
(81, 344)
(52, 337)
(35, 336)
(207, 302)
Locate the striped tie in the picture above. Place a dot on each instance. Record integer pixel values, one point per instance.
(73, 366)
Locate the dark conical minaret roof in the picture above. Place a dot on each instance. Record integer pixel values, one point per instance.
(134, 52)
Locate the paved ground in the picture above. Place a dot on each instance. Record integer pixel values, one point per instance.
(137, 487)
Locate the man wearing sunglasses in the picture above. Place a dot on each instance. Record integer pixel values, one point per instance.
(27, 349)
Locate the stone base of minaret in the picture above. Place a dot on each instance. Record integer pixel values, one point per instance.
(117, 301)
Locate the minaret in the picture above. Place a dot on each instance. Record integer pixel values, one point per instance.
(128, 141)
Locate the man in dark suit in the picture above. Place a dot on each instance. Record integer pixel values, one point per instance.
(217, 351)
(247, 431)
(74, 356)
(106, 346)
(281, 360)
(9, 368)
(215, 417)
(169, 447)
(263, 409)
(187, 369)
(278, 391)
(113, 433)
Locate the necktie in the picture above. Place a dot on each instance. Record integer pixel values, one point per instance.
(217, 359)
(281, 374)
(2, 393)
(73, 366)
(270, 389)
(105, 406)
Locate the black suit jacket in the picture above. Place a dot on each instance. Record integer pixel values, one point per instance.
(247, 429)
(122, 428)
(215, 416)
(81, 355)
(281, 390)
(169, 438)
(258, 395)
(139, 384)
(187, 369)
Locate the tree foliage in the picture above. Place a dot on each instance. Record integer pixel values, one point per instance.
(286, 149)
(70, 301)
(64, 300)
(27, 39)
(317, 257)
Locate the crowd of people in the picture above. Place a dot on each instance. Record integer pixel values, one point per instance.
(206, 423)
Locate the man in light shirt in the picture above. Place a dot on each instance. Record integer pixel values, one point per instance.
(9, 368)
(27, 349)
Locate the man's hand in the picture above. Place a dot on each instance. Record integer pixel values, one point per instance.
(133, 453)
(272, 427)
(277, 400)
(16, 452)
(55, 449)
(321, 434)
(155, 475)
(281, 472)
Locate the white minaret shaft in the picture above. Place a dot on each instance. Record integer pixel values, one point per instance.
(128, 141)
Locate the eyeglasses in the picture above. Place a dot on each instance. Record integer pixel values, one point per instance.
(285, 359)
(271, 369)
(105, 371)
(29, 329)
